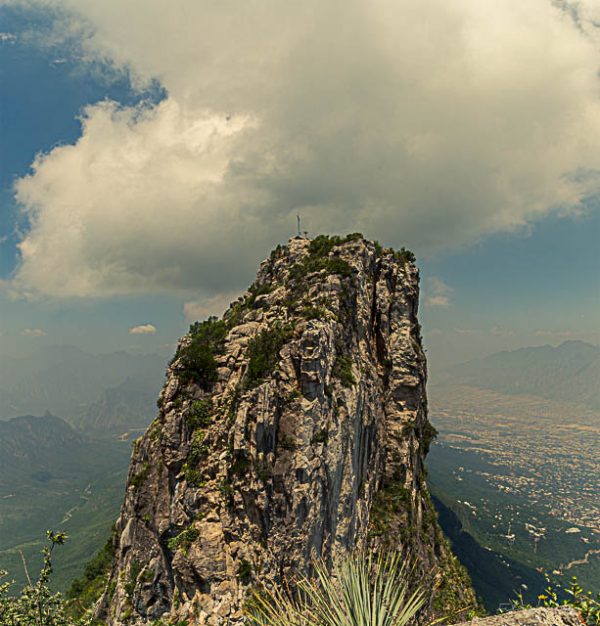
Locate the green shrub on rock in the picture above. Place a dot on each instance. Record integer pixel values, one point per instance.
(183, 540)
(586, 603)
(263, 353)
(244, 572)
(322, 245)
(342, 370)
(199, 414)
(256, 291)
(196, 361)
(318, 258)
(404, 255)
(140, 477)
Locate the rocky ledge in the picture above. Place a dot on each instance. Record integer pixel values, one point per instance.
(562, 616)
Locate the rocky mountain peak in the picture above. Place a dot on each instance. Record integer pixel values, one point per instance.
(292, 429)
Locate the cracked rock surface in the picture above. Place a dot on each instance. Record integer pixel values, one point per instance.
(560, 616)
(303, 437)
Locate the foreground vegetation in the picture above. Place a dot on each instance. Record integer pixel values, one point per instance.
(37, 605)
(587, 605)
(360, 591)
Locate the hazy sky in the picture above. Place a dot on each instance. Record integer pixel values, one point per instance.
(152, 153)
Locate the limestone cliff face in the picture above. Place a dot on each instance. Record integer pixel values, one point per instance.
(293, 429)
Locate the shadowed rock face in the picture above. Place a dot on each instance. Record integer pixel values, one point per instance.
(301, 435)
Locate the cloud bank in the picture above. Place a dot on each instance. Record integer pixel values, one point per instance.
(427, 124)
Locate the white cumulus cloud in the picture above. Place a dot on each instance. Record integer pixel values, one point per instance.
(428, 124)
(7, 38)
(33, 332)
(143, 329)
(438, 293)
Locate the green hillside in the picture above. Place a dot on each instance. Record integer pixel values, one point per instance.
(52, 477)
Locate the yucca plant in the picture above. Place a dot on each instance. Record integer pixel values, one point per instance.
(359, 591)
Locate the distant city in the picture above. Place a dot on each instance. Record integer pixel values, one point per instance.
(522, 473)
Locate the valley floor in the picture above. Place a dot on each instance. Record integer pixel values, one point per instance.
(522, 476)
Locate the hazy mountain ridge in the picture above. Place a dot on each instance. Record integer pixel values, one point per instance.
(112, 392)
(67, 474)
(570, 371)
(31, 446)
(128, 406)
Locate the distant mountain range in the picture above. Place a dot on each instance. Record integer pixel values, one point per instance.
(106, 392)
(54, 477)
(68, 474)
(128, 406)
(36, 449)
(569, 372)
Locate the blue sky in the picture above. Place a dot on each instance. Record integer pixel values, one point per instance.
(44, 90)
(503, 265)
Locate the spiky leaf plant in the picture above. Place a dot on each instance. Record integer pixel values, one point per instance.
(359, 591)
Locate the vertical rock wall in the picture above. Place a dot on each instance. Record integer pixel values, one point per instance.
(293, 429)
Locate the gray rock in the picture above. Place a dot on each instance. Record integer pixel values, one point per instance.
(323, 457)
(562, 616)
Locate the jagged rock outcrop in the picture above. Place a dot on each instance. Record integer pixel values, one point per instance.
(293, 429)
(559, 616)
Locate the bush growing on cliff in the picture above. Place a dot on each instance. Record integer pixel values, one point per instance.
(183, 540)
(361, 591)
(85, 591)
(312, 264)
(198, 415)
(198, 451)
(313, 312)
(322, 245)
(140, 477)
(256, 291)
(318, 257)
(197, 361)
(404, 255)
(386, 503)
(342, 370)
(263, 353)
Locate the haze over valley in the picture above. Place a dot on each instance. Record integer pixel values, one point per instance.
(521, 471)
(66, 468)
(518, 472)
